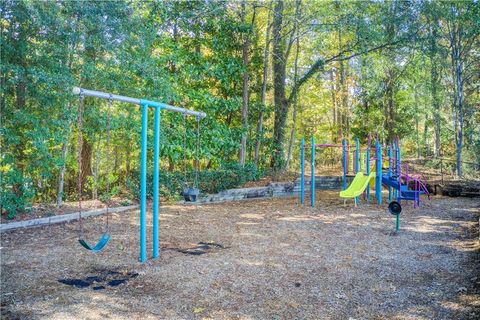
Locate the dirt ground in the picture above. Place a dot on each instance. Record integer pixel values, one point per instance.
(263, 259)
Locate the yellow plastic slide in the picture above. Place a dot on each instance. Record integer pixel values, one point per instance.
(358, 185)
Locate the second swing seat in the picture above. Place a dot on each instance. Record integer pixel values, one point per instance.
(99, 246)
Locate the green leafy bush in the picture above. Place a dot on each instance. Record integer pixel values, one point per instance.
(210, 181)
(16, 193)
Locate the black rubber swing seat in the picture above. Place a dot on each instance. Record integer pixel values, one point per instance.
(190, 194)
(99, 246)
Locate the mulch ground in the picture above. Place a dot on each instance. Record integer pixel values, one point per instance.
(260, 259)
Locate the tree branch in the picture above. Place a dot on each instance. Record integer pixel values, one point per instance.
(320, 63)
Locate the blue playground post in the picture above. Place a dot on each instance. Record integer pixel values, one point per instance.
(399, 169)
(345, 163)
(390, 156)
(378, 180)
(357, 155)
(302, 175)
(357, 161)
(351, 162)
(394, 166)
(368, 170)
(156, 174)
(312, 187)
(143, 186)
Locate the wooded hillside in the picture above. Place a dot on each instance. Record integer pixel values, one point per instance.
(265, 72)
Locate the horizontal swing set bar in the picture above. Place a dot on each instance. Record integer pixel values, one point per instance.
(105, 95)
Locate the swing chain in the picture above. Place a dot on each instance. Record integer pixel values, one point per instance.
(80, 145)
(185, 182)
(109, 116)
(197, 151)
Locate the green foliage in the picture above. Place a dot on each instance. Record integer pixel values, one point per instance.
(16, 193)
(375, 72)
(228, 176)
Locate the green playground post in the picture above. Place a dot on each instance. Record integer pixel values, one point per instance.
(397, 223)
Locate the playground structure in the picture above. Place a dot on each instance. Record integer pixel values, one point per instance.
(369, 170)
(145, 106)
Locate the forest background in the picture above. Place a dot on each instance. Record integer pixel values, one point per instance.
(266, 72)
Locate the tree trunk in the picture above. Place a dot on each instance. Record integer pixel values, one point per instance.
(20, 46)
(455, 33)
(281, 104)
(86, 160)
(458, 105)
(18, 188)
(171, 164)
(333, 90)
(417, 115)
(390, 77)
(295, 79)
(343, 116)
(127, 158)
(61, 178)
(264, 88)
(389, 108)
(115, 159)
(425, 136)
(245, 96)
(434, 84)
(95, 173)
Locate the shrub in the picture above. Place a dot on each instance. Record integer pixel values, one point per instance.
(16, 193)
(210, 181)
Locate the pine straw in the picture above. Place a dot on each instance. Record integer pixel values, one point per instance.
(280, 261)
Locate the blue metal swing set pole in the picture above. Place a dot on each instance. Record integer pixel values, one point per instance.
(345, 163)
(143, 186)
(378, 180)
(357, 161)
(156, 177)
(145, 105)
(302, 175)
(312, 186)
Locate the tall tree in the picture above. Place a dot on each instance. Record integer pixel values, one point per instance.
(296, 33)
(245, 85)
(263, 94)
(462, 22)
(279, 75)
(435, 79)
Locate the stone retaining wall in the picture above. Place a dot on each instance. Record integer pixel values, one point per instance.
(275, 189)
(61, 218)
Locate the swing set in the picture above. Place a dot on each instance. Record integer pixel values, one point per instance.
(189, 193)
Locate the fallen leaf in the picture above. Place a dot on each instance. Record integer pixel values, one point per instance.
(198, 310)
